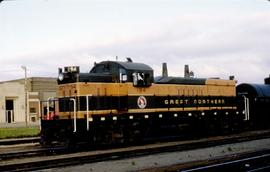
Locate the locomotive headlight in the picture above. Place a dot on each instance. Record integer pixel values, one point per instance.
(61, 76)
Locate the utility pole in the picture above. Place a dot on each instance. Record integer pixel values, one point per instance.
(25, 93)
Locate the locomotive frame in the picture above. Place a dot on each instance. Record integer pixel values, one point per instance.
(120, 102)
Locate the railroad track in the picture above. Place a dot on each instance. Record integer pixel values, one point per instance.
(248, 161)
(17, 141)
(59, 158)
(254, 161)
(34, 152)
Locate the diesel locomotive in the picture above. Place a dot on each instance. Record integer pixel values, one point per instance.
(122, 102)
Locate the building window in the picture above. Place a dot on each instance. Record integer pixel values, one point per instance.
(33, 119)
(33, 110)
(9, 111)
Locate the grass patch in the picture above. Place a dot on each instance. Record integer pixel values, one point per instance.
(18, 132)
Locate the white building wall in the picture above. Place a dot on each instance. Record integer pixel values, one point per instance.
(13, 91)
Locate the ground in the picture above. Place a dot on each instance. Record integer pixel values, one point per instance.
(168, 159)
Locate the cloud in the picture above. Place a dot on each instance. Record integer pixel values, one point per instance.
(213, 46)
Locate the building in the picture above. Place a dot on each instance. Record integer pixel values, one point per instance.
(14, 98)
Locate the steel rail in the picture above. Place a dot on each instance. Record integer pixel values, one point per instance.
(34, 152)
(19, 141)
(253, 161)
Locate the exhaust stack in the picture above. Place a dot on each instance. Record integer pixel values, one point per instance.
(164, 70)
(187, 73)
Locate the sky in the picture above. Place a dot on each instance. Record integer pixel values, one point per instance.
(216, 38)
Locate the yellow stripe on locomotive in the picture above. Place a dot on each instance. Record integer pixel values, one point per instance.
(117, 88)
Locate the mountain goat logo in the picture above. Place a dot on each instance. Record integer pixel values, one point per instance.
(142, 102)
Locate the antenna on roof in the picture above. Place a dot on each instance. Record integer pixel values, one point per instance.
(116, 58)
(129, 60)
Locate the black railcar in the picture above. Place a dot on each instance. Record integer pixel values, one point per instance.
(257, 101)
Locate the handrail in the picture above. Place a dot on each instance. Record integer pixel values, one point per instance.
(74, 117)
(48, 105)
(49, 116)
(246, 100)
(87, 110)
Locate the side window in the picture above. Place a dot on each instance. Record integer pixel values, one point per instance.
(141, 79)
(101, 68)
(122, 75)
(147, 79)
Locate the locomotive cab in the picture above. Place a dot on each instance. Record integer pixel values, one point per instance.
(139, 74)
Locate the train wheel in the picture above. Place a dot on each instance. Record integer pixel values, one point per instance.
(133, 134)
(66, 138)
(45, 138)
